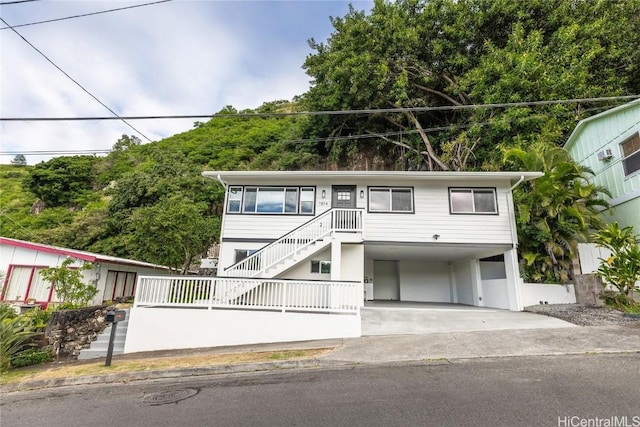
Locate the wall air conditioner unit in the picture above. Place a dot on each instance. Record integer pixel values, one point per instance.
(605, 154)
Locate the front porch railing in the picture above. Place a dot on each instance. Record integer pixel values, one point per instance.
(261, 294)
(341, 220)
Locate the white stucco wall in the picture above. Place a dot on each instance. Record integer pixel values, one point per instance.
(352, 265)
(424, 281)
(463, 281)
(533, 293)
(174, 328)
(495, 293)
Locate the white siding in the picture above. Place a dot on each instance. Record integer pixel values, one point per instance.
(431, 216)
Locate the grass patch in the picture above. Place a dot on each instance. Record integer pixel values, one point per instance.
(48, 372)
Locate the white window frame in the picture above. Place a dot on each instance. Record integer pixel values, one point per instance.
(320, 267)
(472, 191)
(305, 199)
(635, 138)
(390, 190)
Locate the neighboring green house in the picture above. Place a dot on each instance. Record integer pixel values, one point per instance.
(609, 144)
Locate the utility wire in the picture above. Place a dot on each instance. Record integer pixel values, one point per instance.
(16, 2)
(325, 112)
(299, 141)
(85, 14)
(73, 80)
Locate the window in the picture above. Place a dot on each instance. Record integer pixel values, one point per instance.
(235, 199)
(343, 195)
(306, 200)
(322, 267)
(244, 253)
(271, 200)
(24, 283)
(631, 153)
(473, 200)
(390, 199)
(119, 284)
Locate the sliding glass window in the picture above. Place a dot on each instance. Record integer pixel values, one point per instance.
(271, 200)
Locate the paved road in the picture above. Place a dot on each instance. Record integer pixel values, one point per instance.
(517, 391)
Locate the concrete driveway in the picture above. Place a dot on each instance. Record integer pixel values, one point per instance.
(407, 318)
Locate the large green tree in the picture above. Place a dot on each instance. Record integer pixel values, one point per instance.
(553, 212)
(173, 232)
(436, 54)
(63, 181)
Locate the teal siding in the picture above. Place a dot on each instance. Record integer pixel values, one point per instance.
(608, 130)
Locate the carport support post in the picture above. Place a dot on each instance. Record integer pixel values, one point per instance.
(336, 259)
(513, 279)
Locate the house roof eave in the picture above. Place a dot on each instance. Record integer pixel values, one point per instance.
(236, 176)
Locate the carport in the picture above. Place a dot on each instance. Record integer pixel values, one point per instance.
(481, 275)
(411, 318)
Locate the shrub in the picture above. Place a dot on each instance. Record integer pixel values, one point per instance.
(622, 268)
(7, 312)
(15, 335)
(67, 283)
(38, 318)
(30, 357)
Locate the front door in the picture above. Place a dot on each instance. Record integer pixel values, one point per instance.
(343, 196)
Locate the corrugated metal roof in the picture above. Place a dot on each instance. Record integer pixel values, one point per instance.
(82, 255)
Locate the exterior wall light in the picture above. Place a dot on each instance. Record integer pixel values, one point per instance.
(324, 194)
(362, 194)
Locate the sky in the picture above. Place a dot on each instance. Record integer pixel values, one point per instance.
(174, 58)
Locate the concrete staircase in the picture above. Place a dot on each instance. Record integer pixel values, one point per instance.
(99, 347)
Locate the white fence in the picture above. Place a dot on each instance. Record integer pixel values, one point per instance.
(250, 294)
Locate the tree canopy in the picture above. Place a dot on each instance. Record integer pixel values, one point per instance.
(436, 58)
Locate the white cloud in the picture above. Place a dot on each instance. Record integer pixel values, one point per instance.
(183, 57)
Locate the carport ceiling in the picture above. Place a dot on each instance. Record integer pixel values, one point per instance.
(431, 252)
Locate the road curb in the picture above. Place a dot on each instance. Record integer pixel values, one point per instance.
(173, 373)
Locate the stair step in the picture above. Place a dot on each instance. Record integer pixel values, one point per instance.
(87, 354)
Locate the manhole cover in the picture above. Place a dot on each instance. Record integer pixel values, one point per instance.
(170, 396)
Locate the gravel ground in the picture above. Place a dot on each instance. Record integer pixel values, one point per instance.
(584, 315)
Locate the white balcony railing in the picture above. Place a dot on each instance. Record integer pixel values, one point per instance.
(260, 294)
(341, 220)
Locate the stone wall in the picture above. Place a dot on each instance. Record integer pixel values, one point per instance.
(69, 331)
(588, 288)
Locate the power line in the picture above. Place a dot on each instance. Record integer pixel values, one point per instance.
(325, 112)
(52, 152)
(73, 80)
(299, 141)
(85, 14)
(16, 2)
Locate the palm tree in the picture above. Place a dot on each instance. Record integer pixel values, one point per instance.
(553, 212)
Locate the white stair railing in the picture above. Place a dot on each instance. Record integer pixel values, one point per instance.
(289, 245)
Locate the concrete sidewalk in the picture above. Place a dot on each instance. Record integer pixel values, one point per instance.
(435, 347)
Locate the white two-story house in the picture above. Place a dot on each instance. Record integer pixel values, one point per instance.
(445, 237)
(301, 252)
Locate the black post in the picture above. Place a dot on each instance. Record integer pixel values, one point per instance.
(112, 338)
